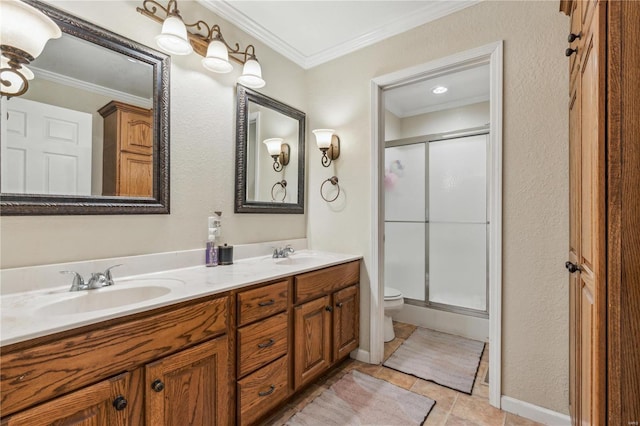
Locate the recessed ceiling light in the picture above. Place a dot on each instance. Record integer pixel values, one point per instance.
(439, 90)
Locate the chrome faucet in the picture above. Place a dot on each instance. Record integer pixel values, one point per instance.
(97, 280)
(283, 252)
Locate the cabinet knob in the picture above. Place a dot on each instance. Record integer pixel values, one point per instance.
(573, 37)
(120, 403)
(570, 51)
(572, 267)
(339, 304)
(269, 392)
(157, 385)
(329, 308)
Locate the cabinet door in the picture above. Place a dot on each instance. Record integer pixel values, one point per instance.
(104, 404)
(346, 324)
(136, 175)
(312, 330)
(136, 133)
(190, 387)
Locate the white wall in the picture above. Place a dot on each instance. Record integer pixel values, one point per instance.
(202, 158)
(535, 216)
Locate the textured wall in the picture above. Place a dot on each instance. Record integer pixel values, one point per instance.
(535, 177)
(202, 159)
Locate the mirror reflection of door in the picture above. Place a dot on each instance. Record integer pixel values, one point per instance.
(46, 149)
(62, 106)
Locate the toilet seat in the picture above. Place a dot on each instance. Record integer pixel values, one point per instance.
(391, 293)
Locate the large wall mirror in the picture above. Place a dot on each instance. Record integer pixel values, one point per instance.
(91, 135)
(270, 141)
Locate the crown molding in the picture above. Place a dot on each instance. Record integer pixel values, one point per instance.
(431, 12)
(91, 87)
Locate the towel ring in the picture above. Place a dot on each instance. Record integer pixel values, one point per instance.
(283, 184)
(334, 181)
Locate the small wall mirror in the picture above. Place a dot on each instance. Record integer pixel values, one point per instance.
(270, 143)
(91, 135)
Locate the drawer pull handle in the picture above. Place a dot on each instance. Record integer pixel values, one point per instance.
(120, 403)
(267, 303)
(269, 392)
(157, 385)
(267, 344)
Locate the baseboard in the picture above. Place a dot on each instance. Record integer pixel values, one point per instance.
(361, 355)
(534, 412)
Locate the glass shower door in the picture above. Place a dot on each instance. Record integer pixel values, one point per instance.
(405, 220)
(458, 222)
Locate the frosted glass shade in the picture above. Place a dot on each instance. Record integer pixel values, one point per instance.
(274, 145)
(173, 38)
(25, 27)
(251, 75)
(217, 59)
(323, 137)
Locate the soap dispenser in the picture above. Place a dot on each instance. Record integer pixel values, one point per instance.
(214, 223)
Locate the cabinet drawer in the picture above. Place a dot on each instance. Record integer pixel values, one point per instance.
(72, 362)
(263, 390)
(262, 302)
(318, 283)
(261, 343)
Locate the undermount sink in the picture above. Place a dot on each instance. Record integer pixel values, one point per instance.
(123, 293)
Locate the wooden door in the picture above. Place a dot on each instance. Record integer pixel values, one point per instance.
(587, 252)
(107, 403)
(346, 324)
(312, 328)
(190, 387)
(136, 175)
(136, 130)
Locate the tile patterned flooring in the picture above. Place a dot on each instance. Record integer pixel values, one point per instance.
(452, 408)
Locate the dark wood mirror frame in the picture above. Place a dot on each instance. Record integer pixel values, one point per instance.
(33, 204)
(242, 205)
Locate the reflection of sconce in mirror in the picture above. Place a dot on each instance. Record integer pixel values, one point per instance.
(205, 39)
(24, 31)
(278, 151)
(329, 144)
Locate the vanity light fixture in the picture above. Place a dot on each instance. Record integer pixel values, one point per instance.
(24, 31)
(329, 144)
(205, 40)
(278, 151)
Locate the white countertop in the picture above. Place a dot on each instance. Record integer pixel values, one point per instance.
(39, 313)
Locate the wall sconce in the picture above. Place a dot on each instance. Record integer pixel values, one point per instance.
(24, 31)
(279, 152)
(216, 52)
(329, 144)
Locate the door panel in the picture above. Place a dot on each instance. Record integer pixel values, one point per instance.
(312, 330)
(346, 324)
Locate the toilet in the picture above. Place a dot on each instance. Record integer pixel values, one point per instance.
(393, 301)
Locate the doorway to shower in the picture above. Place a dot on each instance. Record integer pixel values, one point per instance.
(436, 223)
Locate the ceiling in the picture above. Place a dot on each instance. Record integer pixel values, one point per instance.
(313, 32)
(465, 87)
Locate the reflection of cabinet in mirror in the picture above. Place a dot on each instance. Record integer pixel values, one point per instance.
(127, 163)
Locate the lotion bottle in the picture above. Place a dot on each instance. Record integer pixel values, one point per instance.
(211, 257)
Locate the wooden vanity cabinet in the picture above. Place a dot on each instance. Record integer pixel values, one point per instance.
(127, 154)
(326, 319)
(108, 374)
(263, 341)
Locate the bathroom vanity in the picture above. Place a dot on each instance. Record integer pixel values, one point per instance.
(226, 354)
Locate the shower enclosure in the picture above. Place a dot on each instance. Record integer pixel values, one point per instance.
(436, 221)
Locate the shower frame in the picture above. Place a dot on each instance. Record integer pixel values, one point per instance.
(439, 137)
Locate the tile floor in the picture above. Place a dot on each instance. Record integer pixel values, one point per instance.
(452, 408)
